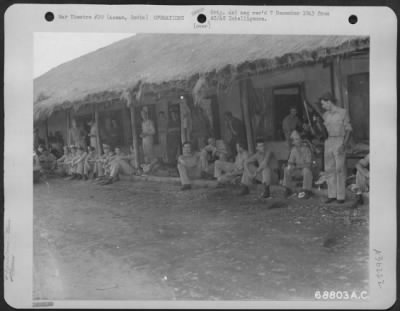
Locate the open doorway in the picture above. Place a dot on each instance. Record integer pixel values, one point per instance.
(284, 98)
(358, 92)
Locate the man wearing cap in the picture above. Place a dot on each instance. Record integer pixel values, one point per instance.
(299, 164)
(338, 126)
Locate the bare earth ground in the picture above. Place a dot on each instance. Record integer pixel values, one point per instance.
(148, 240)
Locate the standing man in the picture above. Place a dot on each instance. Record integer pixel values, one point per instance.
(147, 136)
(75, 134)
(338, 126)
(290, 123)
(174, 137)
(262, 171)
(299, 164)
(93, 134)
(162, 134)
(235, 129)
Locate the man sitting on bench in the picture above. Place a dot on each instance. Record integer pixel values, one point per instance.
(299, 164)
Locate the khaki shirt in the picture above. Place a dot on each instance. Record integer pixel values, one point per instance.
(300, 155)
(189, 160)
(262, 159)
(337, 122)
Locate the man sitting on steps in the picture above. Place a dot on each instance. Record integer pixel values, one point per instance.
(299, 164)
(258, 167)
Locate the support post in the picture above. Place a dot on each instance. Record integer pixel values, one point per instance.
(336, 80)
(244, 102)
(96, 120)
(131, 101)
(46, 136)
(68, 115)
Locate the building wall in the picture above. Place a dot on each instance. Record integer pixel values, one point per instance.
(316, 80)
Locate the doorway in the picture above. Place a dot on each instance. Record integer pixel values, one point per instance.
(358, 92)
(284, 98)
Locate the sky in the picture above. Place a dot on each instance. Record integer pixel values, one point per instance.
(54, 48)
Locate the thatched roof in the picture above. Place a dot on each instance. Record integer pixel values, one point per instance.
(159, 58)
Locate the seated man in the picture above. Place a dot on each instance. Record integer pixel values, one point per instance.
(120, 164)
(189, 166)
(262, 171)
(89, 166)
(104, 164)
(63, 162)
(208, 155)
(299, 164)
(362, 178)
(48, 161)
(77, 163)
(68, 161)
(225, 171)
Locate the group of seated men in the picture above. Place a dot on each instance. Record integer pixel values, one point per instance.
(245, 167)
(76, 163)
(80, 164)
(253, 168)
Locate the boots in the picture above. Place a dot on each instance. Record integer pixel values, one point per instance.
(266, 193)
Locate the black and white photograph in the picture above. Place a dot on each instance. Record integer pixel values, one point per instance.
(197, 166)
(202, 167)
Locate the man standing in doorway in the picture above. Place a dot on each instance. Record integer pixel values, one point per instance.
(147, 136)
(290, 123)
(338, 126)
(93, 134)
(235, 130)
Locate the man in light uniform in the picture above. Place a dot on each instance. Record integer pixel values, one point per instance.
(362, 178)
(208, 155)
(338, 126)
(299, 164)
(262, 171)
(189, 166)
(120, 164)
(225, 171)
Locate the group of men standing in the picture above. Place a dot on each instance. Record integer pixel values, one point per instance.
(257, 167)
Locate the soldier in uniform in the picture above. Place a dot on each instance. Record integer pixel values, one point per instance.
(338, 126)
(299, 164)
(261, 172)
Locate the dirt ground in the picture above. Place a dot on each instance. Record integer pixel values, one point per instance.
(148, 240)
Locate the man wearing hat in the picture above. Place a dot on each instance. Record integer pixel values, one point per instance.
(338, 126)
(299, 164)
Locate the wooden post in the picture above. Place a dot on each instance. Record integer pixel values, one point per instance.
(135, 145)
(46, 136)
(96, 120)
(244, 102)
(68, 127)
(336, 80)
